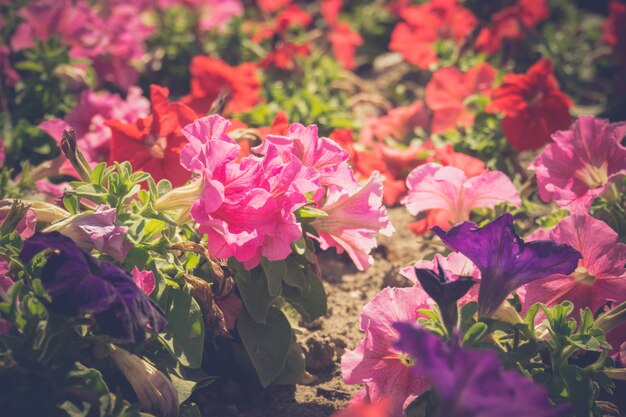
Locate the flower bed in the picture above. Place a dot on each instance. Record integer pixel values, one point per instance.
(192, 194)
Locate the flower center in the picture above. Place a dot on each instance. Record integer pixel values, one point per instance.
(406, 360)
(594, 176)
(582, 276)
(156, 146)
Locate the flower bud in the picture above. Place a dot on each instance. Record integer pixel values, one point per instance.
(507, 313)
(74, 155)
(155, 391)
(610, 319)
(73, 76)
(180, 198)
(44, 212)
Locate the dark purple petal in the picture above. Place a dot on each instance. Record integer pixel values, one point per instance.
(78, 284)
(504, 260)
(472, 383)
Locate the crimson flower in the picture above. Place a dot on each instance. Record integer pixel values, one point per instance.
(153, 143)
(512, 23)
(427, 23)
(284, 55)
(344, 41)
(533, 106)
(211, 77)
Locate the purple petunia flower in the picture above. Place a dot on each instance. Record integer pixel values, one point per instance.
(472, 383)
(79, 283)
(504, 260)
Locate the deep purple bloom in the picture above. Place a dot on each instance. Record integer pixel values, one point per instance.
(504, 260)
(78, 283)
(472, 383)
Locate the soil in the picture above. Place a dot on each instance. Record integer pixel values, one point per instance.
(326, 339)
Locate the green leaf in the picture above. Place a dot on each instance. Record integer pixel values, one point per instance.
(295, 276)
(185, 329)
(474, 334)
(267, 343)
(309, 212)
(189, 410)
(310, 300)
(579, 390)
(294, 366)
(254, 290)
(275, 271)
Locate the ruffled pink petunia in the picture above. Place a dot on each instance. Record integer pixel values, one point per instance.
(600, 277)
(245, 208)
(581, 163)
(326, 159)
(353, 219)
(374, 362)
(432, 186)
(448, 90)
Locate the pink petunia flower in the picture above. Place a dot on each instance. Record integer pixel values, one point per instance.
(144, 280)
(245, 208)
(327, 160)
(581, 163)
(384, 371)
(600, 277)
(432, 186)
(450, 88)
(353, 219)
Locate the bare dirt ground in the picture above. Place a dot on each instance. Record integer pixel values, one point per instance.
(326, 339)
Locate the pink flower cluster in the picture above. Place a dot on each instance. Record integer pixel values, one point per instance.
(89, 116)
(247, 207)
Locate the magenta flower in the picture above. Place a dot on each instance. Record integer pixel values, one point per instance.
(581, 163)
(504, 260)
(472, 383)
(375, 362)
(327, 160)
(144, 280)
(246, 208)
(432, 186)
(353, 220)
(600, 277)
(98, 231)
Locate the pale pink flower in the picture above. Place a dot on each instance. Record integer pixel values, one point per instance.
(600, 277)
(216, 14)
(432, 186)
(581, 163)
(353, 220)
(246, 208)
(144, 280)
(385, 372)
(98, 231)
(449, 89)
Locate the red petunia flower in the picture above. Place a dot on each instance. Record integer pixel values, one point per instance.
(449, 88)
(330, 10)
(533, 106)
(427, 23)
(153, 143)
(270, 6)
(283, 56)
(344, 41)
(211, 77)
(512, 23)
